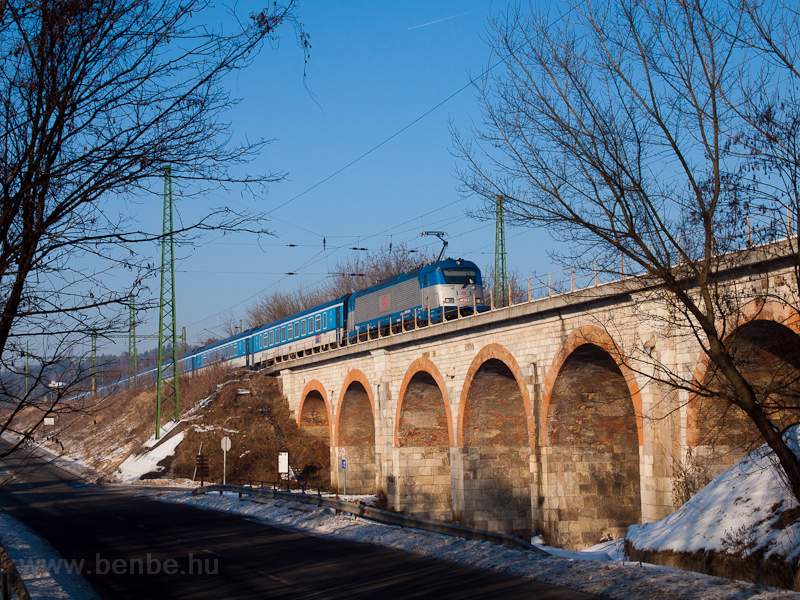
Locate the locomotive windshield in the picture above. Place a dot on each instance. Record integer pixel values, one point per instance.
(460, 276)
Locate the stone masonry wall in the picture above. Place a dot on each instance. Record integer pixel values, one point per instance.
(357, 435)
(593, 463)
(496, 454)
(423, 465)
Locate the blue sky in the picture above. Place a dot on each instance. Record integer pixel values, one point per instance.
(375, 67)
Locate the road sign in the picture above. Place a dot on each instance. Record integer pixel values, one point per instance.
(226, 445)
(202, 467)
(49, 420)
(344, 452)
(344, 464)
(283, 463)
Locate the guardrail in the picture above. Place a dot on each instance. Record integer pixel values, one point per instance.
(9, 577)
(276, 485)
(376, 514)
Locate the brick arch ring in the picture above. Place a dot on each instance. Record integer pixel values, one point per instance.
(488, 352)
(423, 365)
(312, 386)
(352, 376)
(755, 310)
(589, 334)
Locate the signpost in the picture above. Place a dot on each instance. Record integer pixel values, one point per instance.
(201, 467)
(226, 445)
(283, 464)
(344, 468)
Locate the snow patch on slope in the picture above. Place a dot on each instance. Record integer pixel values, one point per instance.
(737, 513)
(135, 466)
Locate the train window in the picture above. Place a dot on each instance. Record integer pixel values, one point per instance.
(283, 333)
(460, 276)
(324, 321)
(303, 327)
(296, 329)
(310, 324)
(290, 331)
(319, 323)
(271, 337)
(425, 281)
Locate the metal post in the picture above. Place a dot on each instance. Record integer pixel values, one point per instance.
(27, 352)
(549, 286)
(167, 393)
(500, 277)
(571, 280)
(622, 265)
(595, 272)
(94, 362)
(132, 358)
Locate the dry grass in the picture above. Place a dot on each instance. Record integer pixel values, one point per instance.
(104, 432)
(258, 424)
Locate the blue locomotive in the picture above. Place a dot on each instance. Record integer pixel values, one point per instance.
(430, 294)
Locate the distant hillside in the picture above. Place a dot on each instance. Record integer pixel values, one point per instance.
(104, 433)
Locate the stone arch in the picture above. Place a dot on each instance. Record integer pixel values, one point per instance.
(589, 334)
(765, 342)
(355, 430)
(423, 436)
(495, 433)
(314, 412)
(591, 438)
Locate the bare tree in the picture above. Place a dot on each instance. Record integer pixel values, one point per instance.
(97, 99)
(349, 275)
(628, 130)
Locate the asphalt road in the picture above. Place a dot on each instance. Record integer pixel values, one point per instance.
(134, 547)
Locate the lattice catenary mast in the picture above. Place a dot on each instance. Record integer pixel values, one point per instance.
(500, 288)
(167, 396)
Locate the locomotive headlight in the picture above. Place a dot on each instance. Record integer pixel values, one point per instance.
(448, 301)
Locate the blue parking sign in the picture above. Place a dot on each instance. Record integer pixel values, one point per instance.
(343, 464)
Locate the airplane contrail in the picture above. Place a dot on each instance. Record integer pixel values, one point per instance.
(440, 20)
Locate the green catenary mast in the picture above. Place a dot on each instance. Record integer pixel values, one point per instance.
(132, 357)
(167, 397)
(500, 291)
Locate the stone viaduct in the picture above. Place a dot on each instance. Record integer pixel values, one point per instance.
(531, 418)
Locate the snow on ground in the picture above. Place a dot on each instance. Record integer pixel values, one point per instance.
(137, 465)
(608, 577)
(45, 573)
(738, 511)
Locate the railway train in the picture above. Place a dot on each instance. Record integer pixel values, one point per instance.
(437, 291)
(430, 294)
